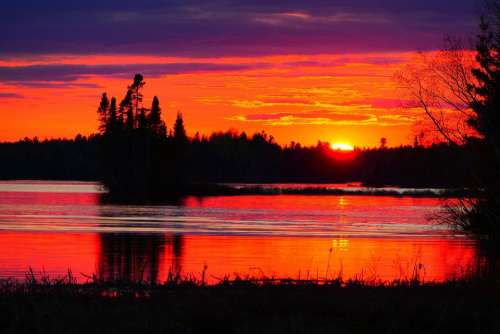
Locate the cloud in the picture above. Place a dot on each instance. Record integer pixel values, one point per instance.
(8, 95)
(222, 27)
(324, 117)
(50, 73)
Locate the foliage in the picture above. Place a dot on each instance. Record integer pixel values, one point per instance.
(461, 98)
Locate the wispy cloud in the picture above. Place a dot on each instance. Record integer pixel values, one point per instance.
(9, 95)
(50, 73)
(323, 117)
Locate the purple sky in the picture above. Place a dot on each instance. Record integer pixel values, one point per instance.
(222, 28)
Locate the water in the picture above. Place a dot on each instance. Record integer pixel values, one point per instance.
(54, 226)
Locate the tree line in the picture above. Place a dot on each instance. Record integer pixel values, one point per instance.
(135, 155)
(170, 164)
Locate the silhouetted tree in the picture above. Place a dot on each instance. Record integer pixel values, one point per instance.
(415, 142)
(179, 130)
(102, 111)
(383, 143)
(486, 103)
(142, 123)
(136, 96)
(125, 163)
(472, 90)
(156, 124)
(112, 122)
(441, 82)
(482, 214)
(124, 108)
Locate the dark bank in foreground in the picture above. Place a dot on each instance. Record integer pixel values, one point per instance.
(250, 306)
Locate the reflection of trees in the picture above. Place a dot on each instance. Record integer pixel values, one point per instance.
(133, 257)
(130, 257)
(177, 248)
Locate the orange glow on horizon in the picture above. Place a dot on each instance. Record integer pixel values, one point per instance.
(300, 98)
(342, 147)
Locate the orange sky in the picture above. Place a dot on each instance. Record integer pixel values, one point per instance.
(348, 98)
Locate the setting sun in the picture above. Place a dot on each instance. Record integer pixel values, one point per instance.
(342, 147)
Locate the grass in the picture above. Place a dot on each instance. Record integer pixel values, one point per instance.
(248, 305)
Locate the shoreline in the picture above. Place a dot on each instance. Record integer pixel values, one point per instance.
(211, 190)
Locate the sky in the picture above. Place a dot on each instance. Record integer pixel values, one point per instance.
(302, 71)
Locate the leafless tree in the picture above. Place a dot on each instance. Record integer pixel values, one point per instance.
(441, 85)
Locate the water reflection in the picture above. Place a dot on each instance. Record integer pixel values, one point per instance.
(129, 257)
(137, 256)
(281, 236)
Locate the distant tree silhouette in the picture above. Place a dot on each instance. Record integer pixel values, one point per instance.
(123, 111)
(141, 163)
(130, 120)
(415, 142)
(102, 111)
(179, 130)
(136, 96)
(155, 123)
(142, 122)
(126, 162)
(112, 121)
(383, 142)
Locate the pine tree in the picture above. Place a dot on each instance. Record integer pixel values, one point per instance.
(383, 143)
(102, 111)
(130, 121)
(123, 111)
(482, 213)
(136, 96)
(142, 122)
(112, 123)
(179, 130)
(154, 120)
(486, 106)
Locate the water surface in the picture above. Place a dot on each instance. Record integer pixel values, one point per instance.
(53, 226)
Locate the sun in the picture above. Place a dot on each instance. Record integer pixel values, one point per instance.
(342, 147)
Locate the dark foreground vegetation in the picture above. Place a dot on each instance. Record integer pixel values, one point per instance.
(249, 306)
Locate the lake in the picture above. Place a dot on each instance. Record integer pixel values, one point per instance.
(55, 226)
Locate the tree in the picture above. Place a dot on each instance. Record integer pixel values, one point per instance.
(486, 101)
(179, 130)
(440, 84)
(142, 122)
(459, 92)
(130, 120)
(112, 123)
(102, 111)
(383, 143)
(136, 94)
(458, 89)
(155, 122)
(125, 115)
